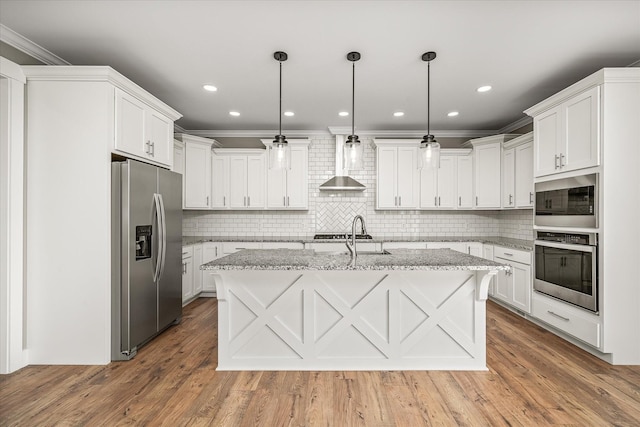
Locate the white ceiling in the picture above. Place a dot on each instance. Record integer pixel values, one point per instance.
(527, 50)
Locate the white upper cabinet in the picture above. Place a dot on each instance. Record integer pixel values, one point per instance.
(464, 181)
(397, 174)
(289, 188)
(487, 170)
(239, 182)
(142, 131)
(447, 186)
(219, 181)
(524, 175)
(178, 158)
(196, 178)
(566, 136)
(517, 172)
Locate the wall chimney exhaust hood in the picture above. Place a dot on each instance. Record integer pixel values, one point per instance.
(341, 181)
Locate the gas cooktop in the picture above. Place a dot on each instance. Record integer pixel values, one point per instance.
(340, 236)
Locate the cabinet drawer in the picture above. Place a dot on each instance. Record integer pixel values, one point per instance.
(512, 255)
(231, 247)
(568, 319)
(282, 245)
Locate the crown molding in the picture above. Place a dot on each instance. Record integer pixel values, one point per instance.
(516, 125)
(337, 130)
(212, 133)
(10, 37)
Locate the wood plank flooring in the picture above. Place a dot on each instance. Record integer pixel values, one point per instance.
(534, 379)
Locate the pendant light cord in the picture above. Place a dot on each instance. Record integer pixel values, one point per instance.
(280, 109)
(428, 99)
(353, 98)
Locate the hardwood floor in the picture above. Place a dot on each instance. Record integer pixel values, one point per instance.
(534, 378)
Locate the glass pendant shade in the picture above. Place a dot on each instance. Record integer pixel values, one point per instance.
(353, 154)
(279, 154)
(430, 153)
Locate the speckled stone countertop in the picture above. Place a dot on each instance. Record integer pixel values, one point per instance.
(308, 259)
(525, 245)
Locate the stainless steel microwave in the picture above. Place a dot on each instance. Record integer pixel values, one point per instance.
(567, 202)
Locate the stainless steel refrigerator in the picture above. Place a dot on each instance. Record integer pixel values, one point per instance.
(146, 254)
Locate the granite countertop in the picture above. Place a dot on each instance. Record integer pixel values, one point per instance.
(308, 259)
(525, 245)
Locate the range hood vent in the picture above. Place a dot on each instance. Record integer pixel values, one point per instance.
(341, 181)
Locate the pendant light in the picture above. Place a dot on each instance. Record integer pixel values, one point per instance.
(352, 147)
(279, 150)
(429, 147)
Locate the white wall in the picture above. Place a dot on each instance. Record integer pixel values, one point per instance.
(334, 211)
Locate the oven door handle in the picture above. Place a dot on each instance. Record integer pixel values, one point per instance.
(568, 246)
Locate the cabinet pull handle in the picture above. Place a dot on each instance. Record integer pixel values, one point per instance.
(435, 200)
(288, 204)
(248, 200)
(207, 200)
(224, 200)
(439, 202)
(244, 201)
(555, 163)
(216, 255)
(508, 254)
(153, 149)
(459, 200)
(476, 200)
(530, 197)
(561, 160)
(284, 200)
(566, 319)
(399, 200)
(510, 199)
(148, 145)
(395, 201)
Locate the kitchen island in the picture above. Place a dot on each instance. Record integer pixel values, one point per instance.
(421, 309)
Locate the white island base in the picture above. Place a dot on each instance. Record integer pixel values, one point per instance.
(352, 320)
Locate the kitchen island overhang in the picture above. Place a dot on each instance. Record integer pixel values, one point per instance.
(301, 310)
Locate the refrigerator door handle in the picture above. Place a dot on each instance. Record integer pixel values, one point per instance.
(158, 220)
(163, 216)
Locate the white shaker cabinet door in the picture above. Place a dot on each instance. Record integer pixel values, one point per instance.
(238, 181)
(197, 176)
(581, 116)
(130, 127)
(464, 181)
(407, 183)
(488, 175)
(524, 176)
(547, 136)
(298, 179)
(508, 178)
(160, 136)
(256, 182)
(447, 182)
(219, 182)
(387, 177)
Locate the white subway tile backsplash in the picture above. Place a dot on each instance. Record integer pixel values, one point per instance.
(335, 211)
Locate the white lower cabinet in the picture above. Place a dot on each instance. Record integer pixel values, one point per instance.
(187, 273)
(574, 321)
(514, 287)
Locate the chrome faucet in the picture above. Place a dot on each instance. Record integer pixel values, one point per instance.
(352, 245)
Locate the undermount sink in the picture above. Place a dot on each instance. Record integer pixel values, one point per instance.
(384, 252)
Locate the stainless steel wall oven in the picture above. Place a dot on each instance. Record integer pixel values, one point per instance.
(566, 267)
(567, 202)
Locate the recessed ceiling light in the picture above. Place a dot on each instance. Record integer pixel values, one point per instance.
(453, 114)
(210, 88)
(343, 113)
(289, 113)
(484, 89)
(398, 114)
(234, 113)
